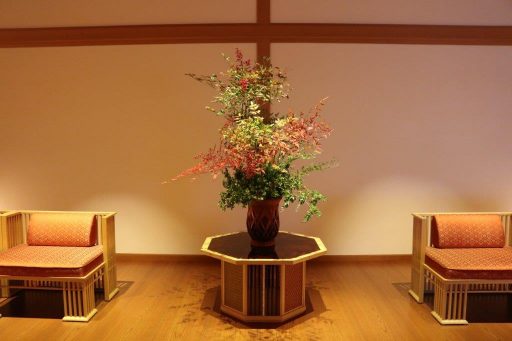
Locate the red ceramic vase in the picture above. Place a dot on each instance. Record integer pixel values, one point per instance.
(263, 221)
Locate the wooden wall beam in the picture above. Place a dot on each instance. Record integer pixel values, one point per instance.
(391, 34)
(254, 33)
(128, 35)
(263, 21)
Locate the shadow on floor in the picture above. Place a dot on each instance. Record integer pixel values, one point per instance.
(44, 303)
(482, 307)
(314, 307)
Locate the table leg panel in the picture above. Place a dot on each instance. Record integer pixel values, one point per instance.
(233, 286)
(294, 284)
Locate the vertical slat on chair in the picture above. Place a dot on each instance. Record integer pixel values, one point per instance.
(464, 308)
(91, 299)
(80, 298)
(450, 301)
(455, 301)
(75, 298)
(437, 297)
(78, 287)
(19, 229)
(72, 298)
(87, 295)
(460, 300)
(10, 231)
(85, 298)
(442, 298)
(464, 302)
(65, 299)
(76, 292)
(24, 224)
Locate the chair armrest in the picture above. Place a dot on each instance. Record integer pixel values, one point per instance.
(108, 240)
(12, 230)
(420, 235)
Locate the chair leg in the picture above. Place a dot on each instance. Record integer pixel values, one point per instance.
(79, 302)
(110, 282)
(450, 302)
(4, 289)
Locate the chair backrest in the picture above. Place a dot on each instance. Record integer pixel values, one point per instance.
(62, 229)
(467, 231)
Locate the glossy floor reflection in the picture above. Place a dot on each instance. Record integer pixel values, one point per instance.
(42, 303)
(495, 308)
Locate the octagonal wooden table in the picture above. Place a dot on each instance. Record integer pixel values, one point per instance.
(263, 284)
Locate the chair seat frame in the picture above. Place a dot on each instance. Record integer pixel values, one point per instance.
(78, 292)
(450, 295)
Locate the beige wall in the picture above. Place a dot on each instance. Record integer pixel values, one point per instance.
(416, 128)
(98, 128)
(429, 12)
(48, 13)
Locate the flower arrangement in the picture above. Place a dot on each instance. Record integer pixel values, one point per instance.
(257, 148)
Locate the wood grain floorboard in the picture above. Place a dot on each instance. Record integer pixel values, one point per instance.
(177, 300)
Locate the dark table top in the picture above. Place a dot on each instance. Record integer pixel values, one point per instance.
(287, 246)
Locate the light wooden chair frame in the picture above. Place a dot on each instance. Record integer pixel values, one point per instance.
(450, 295)
(78, 292)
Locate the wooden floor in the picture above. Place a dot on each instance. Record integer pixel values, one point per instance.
(178, 301)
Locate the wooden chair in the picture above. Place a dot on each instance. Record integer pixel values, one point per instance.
(455, 254)
(69, 251)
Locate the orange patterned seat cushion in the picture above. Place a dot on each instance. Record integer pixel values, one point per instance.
(62, 229)
(50, 261)
(476, 263)
(467, 231)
